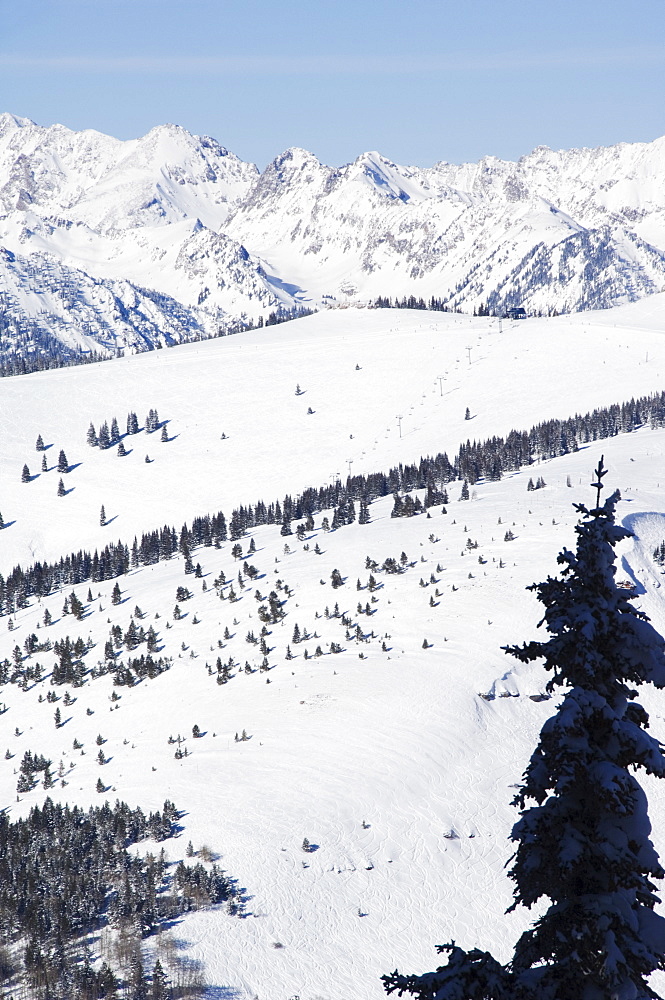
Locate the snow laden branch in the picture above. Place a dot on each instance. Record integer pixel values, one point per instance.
(583, 838)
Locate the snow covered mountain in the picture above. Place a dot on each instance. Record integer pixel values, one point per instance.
(223, 244)
(556, 231)
(394, 761)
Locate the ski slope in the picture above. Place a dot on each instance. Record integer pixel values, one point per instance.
(398, 766)
(359, 370)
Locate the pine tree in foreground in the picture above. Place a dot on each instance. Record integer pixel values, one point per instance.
(585, 843)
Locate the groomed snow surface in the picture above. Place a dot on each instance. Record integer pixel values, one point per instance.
(396, 766)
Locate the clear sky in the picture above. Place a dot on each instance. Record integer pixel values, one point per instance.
(419, 80)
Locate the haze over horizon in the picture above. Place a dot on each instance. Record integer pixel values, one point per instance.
(428, 84)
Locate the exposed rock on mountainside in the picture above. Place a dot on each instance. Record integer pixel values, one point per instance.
(218, 243)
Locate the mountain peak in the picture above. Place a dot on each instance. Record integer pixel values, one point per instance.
(296, 158)
(9, 122)
(467, 235)
(390, 179)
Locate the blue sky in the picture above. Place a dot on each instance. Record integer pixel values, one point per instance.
(419, 80)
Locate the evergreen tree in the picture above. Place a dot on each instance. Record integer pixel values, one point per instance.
(76, 607)
(160, 986)
(116, 594)
(63, 464)
(585, 843)
(138, 987)
(61, 488)
(102, 516)
(25, 474)
(165, 434)
(122, 451)
(44, 464)
(104, 436)
(286, 525)
(115, 431)
(152, 421)
(130, 638)
(91, 436)
(2, 523)
(464, 495)
(39, 446)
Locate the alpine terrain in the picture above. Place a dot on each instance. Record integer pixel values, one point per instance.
(109, 245)
(259, 736)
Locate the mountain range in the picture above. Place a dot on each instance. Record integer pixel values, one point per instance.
(109, 245)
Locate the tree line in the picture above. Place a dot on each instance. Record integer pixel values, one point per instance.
(66, 872)
(475, 460)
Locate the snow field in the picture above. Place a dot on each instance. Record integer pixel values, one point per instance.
(413, 365)
(402, 740)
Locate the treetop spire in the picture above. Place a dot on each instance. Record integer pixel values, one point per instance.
(599, 473)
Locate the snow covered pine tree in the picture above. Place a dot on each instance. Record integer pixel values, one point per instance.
(585, 844)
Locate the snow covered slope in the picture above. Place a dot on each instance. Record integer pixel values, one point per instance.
(543, 232)
(182, 216)
(409, 364)
(395, 761)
